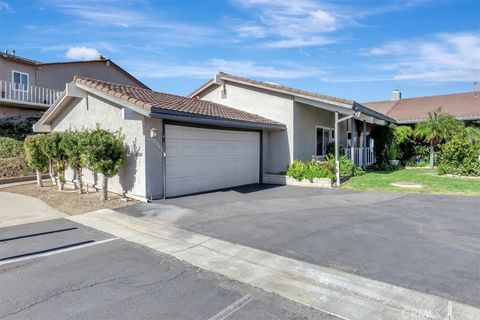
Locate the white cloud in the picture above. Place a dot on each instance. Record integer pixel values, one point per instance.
(297, 23)
(82, 53)
(208, 68)
(4, 6)
(444, 57)
(306, 23)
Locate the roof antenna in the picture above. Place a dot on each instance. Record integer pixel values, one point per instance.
(475, 89)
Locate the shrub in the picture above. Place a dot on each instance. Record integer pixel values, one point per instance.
(51, 146)
(10, 147)
(331, 150)
(36, 158)
(347, 167)
(73, 144)
(105, 154)
(14, 167)
(459, 156)
(383, 136)
(309, 170)
(17, 129)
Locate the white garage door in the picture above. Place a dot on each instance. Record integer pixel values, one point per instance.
(201, 159)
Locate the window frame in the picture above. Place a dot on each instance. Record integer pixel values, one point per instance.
(20, 86)
(325, 143)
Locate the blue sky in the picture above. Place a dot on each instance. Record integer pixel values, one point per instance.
(360, 50)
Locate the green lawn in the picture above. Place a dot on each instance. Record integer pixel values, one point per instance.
(428, 178)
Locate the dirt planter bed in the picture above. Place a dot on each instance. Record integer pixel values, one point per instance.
(284, 180)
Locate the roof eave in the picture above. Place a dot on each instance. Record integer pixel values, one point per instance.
(361, 108)
(213, 121)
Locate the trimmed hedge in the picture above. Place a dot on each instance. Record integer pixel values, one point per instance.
(10, 147)
(15, 167)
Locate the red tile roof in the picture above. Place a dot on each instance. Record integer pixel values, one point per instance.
(463, 106)
(157, 102)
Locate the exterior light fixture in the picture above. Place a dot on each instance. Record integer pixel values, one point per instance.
(153, 133)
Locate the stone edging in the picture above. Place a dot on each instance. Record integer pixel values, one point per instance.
(284, 180)
(20, 179)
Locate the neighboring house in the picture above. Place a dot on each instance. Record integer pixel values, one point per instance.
(175, 145)
(309, 118)
(463, 106)
(29, 87)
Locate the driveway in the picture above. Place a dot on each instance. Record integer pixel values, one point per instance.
(428, 243)
(58, 269)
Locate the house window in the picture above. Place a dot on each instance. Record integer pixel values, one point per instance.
(20, 80)
(322, 138)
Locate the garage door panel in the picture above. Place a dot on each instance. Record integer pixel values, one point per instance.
(201, 159)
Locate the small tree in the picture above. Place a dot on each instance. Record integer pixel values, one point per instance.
(105, 154)
(36, 158)
(52, 148)
(435, 129)
(73, 144)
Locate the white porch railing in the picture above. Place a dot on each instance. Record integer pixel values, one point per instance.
(15, 92)
(363, 157)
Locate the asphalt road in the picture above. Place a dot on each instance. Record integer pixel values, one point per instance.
(428, 243)
(61, 270)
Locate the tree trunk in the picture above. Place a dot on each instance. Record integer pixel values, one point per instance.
(80, 181)
(39, 179)
(432, 154)
(50, 171)
(104, 188)
(61, 175)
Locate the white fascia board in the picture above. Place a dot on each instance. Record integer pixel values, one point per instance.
(346, 110)
(42, 128)
(55, 109)
(72, 90)
(117, 101)
(203, 87)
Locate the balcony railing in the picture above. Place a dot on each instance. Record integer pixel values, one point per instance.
(18, 93)
(362, 156)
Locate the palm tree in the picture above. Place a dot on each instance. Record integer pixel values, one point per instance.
(472, 129)
(435, 129)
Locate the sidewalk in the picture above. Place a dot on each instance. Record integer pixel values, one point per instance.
(20, 209)
(342, 294)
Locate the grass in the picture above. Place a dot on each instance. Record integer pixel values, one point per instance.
(429, 179)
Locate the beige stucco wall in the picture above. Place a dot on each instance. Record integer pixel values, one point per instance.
(86, 113)
(6, 67)
(278, 145)
(306, 119)
(56, 75)
(154, 158)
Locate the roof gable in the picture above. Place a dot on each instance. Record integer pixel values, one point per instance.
(159, 104)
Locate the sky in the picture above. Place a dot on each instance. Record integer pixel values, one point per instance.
(359, 50)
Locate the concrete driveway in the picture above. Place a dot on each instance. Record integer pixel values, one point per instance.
(429, 243)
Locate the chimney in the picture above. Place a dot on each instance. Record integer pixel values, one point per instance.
(475, 89)
(396, 95)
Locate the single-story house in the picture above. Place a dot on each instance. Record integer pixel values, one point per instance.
(309, 117)
(464, 106)
(183, 145)
(175, 145)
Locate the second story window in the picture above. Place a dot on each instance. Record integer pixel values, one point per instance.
(20, 80)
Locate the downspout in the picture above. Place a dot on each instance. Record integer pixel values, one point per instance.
(164, 161)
